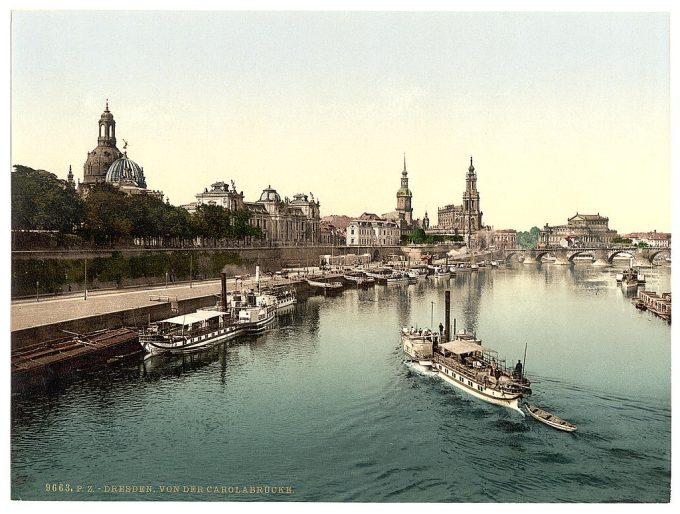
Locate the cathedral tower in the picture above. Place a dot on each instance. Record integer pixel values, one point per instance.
(472, 216)
(404, 196)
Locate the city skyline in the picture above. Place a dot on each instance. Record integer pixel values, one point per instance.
(563, 113)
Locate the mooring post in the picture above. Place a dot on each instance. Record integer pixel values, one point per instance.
(447, 315)
(223, 299)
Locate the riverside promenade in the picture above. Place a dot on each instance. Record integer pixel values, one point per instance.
(27, 313)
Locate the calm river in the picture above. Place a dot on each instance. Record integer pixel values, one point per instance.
(323, 408)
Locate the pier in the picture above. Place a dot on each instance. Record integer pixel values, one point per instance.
(658, 304)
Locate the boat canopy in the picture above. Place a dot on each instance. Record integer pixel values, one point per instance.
(461, 347)
(194, 317)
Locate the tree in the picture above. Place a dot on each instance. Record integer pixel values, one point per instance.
(107, 217)
(212, 221)
(41, 201)
(241, 225)
(528, 240)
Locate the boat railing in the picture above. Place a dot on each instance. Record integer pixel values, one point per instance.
(421, 356)
(183, 331)
(483, 373)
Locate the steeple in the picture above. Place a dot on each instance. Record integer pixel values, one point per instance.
(70, 180)
(404, 195)
(471, 169)
(404, 175)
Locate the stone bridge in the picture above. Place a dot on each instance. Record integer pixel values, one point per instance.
(601, 256)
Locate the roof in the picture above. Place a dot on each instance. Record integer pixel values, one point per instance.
(369, 216)
(194, 317)
(126, 170)
(269, 195)
(589, 216)
(460, 347)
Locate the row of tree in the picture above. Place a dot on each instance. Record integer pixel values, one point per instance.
(107, 216)
(418, 236)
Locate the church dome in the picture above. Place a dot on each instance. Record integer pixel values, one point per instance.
(126, 171)
(269, 195)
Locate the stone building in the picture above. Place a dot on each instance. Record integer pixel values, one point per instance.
(583, 230)
(465, 219)
(371, 230)
(106, 163)
(283, 222)
(652, 239)
(331, 235)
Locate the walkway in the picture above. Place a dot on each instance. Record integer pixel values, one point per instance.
(27, 313)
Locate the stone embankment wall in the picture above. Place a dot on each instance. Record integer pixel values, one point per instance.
(127, 317)
(55, 272)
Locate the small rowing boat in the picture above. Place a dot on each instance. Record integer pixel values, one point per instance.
(549, 419)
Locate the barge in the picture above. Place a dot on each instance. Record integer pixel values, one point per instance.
(40, 364)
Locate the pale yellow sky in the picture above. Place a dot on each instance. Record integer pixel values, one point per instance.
(562, 112)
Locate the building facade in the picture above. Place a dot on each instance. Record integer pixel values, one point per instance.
(371, 230)
(581, 230)
(652, 239)
(283, 222)
(465, 219)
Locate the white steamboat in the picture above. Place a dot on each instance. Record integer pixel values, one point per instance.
(468, 366)
(241, 313)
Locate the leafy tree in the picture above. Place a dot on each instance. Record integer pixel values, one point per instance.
(212, 221)
(107, 218)
(242, 227)
(528, 240)
(41, 201)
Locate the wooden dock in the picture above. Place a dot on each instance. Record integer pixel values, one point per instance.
(40, 364)
(658, 304)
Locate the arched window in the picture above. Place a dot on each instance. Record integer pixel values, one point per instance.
(102, 130)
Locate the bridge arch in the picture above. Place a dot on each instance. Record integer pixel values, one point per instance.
(539, 256)
(512, 253)
(586, 251)
(627, 251)
(653, 254)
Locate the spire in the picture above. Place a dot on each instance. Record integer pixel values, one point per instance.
(107, 105)
(404, 172)
(471, 168)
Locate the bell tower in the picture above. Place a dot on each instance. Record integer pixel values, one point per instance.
(472, 216)
(404, 196)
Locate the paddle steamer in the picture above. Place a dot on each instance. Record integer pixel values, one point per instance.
(468, 366)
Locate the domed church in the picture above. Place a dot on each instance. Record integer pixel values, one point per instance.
(106, 163)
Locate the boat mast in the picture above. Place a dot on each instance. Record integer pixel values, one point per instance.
(525, 358)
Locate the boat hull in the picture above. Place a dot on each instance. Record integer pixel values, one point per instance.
(560, 424)
(509, 401)
(196, 344)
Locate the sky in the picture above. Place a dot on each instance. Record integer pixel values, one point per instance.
(562, 112)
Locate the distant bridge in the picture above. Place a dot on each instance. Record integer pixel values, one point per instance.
(601, 256)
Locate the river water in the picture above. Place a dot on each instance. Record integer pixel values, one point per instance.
(323, 404)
